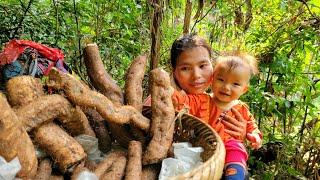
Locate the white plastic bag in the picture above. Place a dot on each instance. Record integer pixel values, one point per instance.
(8, 170)
(86, 175)
(90, 146)
(186, 158)
(185, 152)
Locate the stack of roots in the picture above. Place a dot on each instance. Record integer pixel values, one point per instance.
(34, 120)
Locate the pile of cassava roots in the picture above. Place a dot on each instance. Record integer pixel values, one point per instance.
(47, 117)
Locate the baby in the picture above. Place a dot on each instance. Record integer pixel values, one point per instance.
(231, 78)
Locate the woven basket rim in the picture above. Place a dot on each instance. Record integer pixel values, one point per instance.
(219, 146)
(218, 154)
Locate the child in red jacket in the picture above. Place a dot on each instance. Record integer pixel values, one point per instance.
(231, 78)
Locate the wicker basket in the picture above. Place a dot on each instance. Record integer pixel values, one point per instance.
(191, 129)
(214, 151)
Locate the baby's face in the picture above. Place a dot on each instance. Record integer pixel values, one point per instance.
(229, 84)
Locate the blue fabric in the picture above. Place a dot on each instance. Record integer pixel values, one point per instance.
(11, 70)
(235, 172)
(63, 66)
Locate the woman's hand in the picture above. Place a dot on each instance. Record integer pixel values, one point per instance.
(236, 127)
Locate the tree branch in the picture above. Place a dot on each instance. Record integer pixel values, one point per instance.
(304, 2)
(282, 25)
(78, 37)
(198, 20)
(24, 14)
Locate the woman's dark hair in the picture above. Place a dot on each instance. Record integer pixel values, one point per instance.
(184, 43)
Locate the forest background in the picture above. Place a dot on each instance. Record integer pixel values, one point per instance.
(283, 34)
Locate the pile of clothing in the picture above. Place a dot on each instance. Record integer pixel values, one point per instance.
(24, 57)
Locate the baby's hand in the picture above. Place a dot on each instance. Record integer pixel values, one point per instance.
(255, 140)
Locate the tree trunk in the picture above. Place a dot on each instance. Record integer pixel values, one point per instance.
(187, 17)
(155, 32)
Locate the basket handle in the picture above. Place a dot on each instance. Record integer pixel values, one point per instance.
(178, 117)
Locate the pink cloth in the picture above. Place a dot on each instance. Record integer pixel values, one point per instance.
(236, 152)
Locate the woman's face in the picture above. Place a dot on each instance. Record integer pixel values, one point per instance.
(193, 71)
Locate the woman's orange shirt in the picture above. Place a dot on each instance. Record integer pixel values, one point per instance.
(197, 104)
(203, 107)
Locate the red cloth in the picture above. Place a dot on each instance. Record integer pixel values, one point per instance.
(15, 48)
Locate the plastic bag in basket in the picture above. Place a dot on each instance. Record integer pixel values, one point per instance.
(186, 158)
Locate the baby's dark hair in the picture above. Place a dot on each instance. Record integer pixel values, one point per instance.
(236, 58)
(184, 43)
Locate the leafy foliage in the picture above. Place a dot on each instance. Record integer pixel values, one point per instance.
(120, 28)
